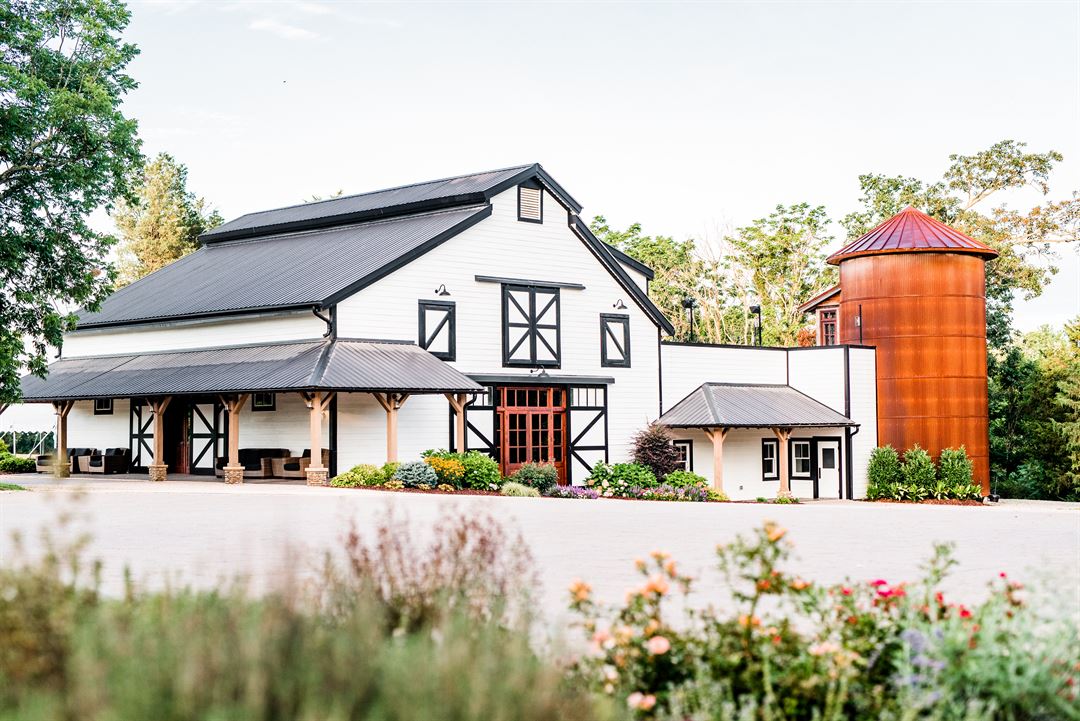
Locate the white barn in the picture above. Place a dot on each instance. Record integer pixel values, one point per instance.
(303, 340)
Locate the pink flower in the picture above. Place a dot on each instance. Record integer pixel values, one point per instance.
(879, 582)
(658, 645)
(641, 701)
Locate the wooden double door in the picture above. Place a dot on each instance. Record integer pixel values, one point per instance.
(532, 428)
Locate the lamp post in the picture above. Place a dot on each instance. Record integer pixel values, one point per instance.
(756, 310)
(689, 304)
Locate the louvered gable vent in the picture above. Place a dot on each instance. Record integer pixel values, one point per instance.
(530, 204)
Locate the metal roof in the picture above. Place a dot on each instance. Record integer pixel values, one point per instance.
(472, 189)
(736, 405)
(339, 365)
(292, 270)
(820, 298)
(911, 231)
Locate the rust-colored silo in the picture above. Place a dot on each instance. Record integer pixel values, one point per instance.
(916, 290)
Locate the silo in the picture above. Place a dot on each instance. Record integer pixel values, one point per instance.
(916, 290)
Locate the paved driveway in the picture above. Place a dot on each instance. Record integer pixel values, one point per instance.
(200, 531)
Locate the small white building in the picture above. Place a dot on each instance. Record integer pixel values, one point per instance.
(474, 312)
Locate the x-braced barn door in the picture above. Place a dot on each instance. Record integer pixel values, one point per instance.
(142, 435)
(481, 429)
(587, 430)
(532, 428)
(208, 432)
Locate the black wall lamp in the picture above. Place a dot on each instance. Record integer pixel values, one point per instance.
(619, 305)
(441, 290)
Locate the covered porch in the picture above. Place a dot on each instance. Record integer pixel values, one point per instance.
(215, 410)
(784, 437)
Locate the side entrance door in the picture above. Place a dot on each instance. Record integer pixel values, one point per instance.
(828, 468)
(532, 428)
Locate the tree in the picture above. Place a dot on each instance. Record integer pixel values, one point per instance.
(959, 199)
(65, 150)
(164, 221)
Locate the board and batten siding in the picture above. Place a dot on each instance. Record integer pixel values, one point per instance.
(687, 366)
(183, 335)
(862, 370)
(503, 246)
(85, 430)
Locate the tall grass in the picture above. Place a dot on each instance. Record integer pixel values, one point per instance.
(398, 630)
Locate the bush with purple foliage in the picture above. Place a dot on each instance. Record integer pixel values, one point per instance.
(653, 448)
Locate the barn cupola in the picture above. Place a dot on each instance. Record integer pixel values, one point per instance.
(915, 289)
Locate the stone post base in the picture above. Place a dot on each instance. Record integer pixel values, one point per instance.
(234, 474)
(157, 473)
(318, 476)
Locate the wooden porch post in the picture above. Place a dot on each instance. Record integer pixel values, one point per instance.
(61, 469)
(458, 404)
(158, 470)
(234, 472)
(717, 435)
(317, 474)
(782, 435)
(391, 403)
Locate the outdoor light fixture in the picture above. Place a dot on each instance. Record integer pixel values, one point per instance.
(858, 322)
(689, 303)
(756, 310)
(540, 372)
(619, 305)
(441, 290)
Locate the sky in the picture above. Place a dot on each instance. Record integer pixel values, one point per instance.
(689, 118)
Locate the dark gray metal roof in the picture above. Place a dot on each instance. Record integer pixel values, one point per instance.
(341, 365)
(473, 189)
(733, 405)
(292, 270)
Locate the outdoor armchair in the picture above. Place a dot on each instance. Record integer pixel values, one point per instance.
(113, 460)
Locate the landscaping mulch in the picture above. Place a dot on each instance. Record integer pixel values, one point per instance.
(436, 491)
(933, 502)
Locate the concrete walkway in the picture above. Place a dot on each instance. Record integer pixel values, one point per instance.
(199, 531)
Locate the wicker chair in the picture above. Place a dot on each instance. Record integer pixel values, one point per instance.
(44, 462)
(113, 460)
(296, 466)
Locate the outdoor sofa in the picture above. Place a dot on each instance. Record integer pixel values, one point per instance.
(256, 461)
(44, 462)
(113, 460)
(296, 466)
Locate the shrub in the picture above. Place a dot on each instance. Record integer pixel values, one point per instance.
(573, 492)
(617, 480)
(363, 474)
(416, 474)
(16, 464)
(653, 449)
(394, 484)
(717, 496)
(956, 473)
(918, 470)
(778, 646)
(389, 469)
(449, 471)
(668, 493)
(685, 479)
(541, 476)
(4, 450)
(445, 488)
(511, 488)
(481, 471)
(883, 472)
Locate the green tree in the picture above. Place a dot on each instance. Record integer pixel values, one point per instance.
(163, 223)
(961, 199)
(65, 150)
(784, 256)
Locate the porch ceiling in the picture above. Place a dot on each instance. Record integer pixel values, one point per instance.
(735, 405)
(338, 365)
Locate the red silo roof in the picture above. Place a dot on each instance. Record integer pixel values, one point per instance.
(911, 231)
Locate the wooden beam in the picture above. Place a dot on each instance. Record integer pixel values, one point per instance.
(783, 435)
(391, 403)
(158, 406)
(717, 436)
(233, 404)
(315, 409)
(458, 403)
(61, 469)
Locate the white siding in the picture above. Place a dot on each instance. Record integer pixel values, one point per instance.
(819, 373)
(688, 366)
(284, 427)
(502, 246)
(423, 423)
(639, 278)
(863, 372)
(203, 334)
(85, 430)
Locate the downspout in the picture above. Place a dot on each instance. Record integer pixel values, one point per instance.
(331, 321)
(849, 481)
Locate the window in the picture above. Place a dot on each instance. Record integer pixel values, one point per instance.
(770, 470)
(827, 321)
(438, 328)
(828, 458)
(263, 402)
(103, 406)
(686, 453)
(614, 340)
(531, 202)
(800, 459)
(531, 326)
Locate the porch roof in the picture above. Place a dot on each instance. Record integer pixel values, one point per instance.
(334, 365)
(748, 405)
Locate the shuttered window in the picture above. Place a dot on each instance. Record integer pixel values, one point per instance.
(437, 328)
(614, 340)
(530, 204)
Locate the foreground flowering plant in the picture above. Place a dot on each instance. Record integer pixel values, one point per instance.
(790, 649)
